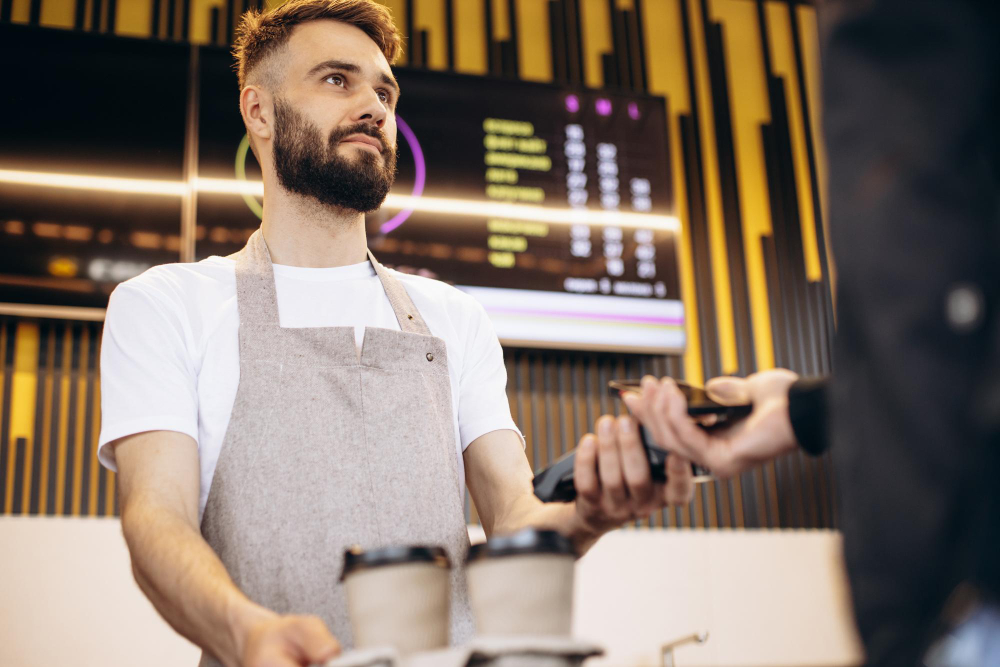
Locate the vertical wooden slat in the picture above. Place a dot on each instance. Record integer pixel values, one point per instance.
(61, 419)
(35, 12)
(91, 421)
(78, 395)
(6, 375)
(18, 491)
(50, 460)
(567, 392)
(100, 487)
(528, 413)
(43, 410)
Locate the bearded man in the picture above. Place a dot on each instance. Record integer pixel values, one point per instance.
(267, 410)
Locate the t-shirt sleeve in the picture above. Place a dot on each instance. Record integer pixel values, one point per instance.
(483, 406)
(148, 380)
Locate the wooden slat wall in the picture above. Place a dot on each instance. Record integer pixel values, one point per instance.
(741, 82)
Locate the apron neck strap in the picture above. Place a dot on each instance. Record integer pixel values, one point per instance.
(256, 295)
(407, 314)
(258, 298)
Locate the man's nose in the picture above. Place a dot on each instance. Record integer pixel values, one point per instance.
(371, 109)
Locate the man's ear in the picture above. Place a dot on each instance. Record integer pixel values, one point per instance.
(257, 108)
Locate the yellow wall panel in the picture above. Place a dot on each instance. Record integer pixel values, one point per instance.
(135, 18)
(596, 27)
(534, 50)
(664, 39)
(809, 32)
(750, 108)
(201, 19)
(501, 24)
(429, 16)
(58, 13)
(470, 44)
(713, 196)
(20, 11)
(23, 392)
(783, 59)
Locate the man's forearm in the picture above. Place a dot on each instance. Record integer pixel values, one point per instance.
(187, 583)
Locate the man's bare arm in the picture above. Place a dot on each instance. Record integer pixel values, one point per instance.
(159, 483)
(612, 480)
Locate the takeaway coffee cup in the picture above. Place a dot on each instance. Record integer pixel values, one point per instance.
(522, 584)
(398, 597)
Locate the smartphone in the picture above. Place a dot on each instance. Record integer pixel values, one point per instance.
(698, 401)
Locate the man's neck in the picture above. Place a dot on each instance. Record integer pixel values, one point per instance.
(299, 231)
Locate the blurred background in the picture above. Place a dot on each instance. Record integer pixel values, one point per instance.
(664, 159)
(627, 186)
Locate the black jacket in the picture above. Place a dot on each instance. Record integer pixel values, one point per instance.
(911, 115)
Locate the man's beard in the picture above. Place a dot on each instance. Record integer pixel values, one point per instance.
(308, 166)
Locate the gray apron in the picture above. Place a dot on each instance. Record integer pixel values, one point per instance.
(325, 450)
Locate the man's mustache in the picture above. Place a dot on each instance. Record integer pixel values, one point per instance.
(361, 128)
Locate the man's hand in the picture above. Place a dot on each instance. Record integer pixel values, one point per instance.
(763, 435)
(289, 641)
(612, 478)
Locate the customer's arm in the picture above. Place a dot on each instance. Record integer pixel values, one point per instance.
(158, 475)
(788, 412)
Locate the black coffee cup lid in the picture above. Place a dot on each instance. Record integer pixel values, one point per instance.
(356, 559)
(525, 542)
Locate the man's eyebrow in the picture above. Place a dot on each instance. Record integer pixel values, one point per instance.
(345, 66)
(391, 82)
(333, 64)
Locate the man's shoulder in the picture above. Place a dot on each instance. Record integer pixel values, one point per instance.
(185, 279)
(438, 294)
(190, 291)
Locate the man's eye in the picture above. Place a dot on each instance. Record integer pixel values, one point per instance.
(336, 79)
(384, 96)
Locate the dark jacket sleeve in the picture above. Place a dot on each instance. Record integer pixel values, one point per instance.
(807, 410)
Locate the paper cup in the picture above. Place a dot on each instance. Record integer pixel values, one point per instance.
(398, 597)
(522, 584)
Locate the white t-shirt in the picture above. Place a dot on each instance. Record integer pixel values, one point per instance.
(170, 353)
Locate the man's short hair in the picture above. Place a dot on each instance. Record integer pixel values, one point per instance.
(262, 33)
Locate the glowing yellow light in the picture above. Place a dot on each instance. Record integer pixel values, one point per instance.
(438, 205)
(102, 183)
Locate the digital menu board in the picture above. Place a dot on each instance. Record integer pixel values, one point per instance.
(552, 206)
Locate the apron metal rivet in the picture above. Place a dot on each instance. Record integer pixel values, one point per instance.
(430, 357)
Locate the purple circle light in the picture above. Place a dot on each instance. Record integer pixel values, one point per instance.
(633, 111)
(603, 106)
(418, 182)
(572, 103)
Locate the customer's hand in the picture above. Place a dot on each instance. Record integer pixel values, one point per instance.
(612, 478)
(289, 641)
(761, 436)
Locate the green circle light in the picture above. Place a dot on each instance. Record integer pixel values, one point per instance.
(241, 175)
